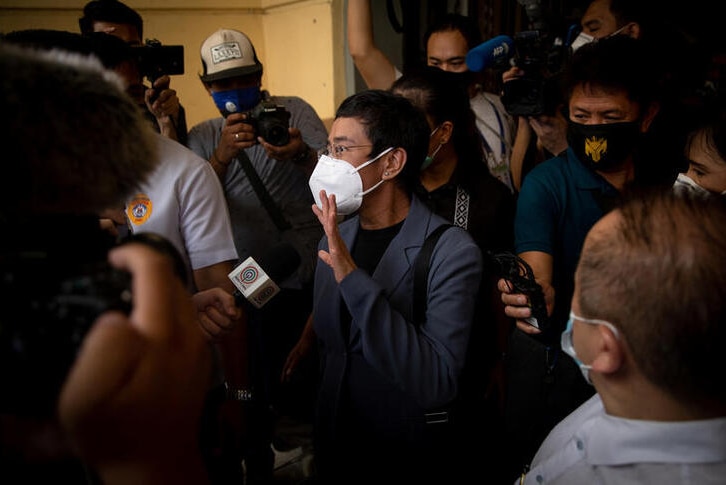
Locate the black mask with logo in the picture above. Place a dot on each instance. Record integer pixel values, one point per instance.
(603, 147)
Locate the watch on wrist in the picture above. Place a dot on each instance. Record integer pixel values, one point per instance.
(235, 394)
(303, 155)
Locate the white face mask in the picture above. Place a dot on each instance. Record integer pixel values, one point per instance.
(342, 179)
(581, 39)
(569, 348)
(684, 183)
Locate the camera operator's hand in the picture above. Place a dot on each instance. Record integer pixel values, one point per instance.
(513, 72)
(217, 312)
(551, 131)
(292, 151)
(132, 401)
(163, 103)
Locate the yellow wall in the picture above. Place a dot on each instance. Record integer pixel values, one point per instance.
(299, 42)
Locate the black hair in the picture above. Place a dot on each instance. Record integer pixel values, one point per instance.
(109, 11)
(390, 120)
(619, 62)
(443, 96)
(454, 21)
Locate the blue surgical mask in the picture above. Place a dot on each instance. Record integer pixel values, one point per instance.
(236, 100)
(430, 158)
(569, 348)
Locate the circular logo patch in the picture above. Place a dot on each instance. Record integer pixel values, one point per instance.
(139, 209)
(248, 275)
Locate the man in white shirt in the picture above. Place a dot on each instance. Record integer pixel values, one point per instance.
(646, 329)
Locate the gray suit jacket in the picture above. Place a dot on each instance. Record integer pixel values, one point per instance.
(389, 370)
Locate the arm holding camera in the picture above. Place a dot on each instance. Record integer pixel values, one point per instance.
(550, 131)
(296, 150)
(236, 135)
(133, 398)
(239, 132)
(163, 103)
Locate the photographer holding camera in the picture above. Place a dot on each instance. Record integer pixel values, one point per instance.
(159, 102)
(263, 149)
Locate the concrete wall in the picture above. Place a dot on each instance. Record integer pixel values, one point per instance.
(301, 43)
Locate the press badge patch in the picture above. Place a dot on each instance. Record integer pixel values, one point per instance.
(139, 209)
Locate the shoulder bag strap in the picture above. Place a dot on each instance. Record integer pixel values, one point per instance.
(421, 274)
(262, 193)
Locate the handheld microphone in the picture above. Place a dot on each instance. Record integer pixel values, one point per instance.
(492, 53)
(258, 285)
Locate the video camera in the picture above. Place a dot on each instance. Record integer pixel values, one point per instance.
(155, 60)
(51, 297)
(542, 59)
(49, 307)
(541, 53)
(271, 122)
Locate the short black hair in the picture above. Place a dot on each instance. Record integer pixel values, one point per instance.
(390, 120)
(109, 11)
(454, 21)
(442, 96)
(619, 62)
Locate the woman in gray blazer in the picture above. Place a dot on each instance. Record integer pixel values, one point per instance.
(383, 376)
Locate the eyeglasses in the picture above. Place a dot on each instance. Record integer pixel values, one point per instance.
(339, 150)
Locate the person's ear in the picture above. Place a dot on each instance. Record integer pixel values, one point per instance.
(447, 131)
(394, 161)
(610, 351)
(633, 30)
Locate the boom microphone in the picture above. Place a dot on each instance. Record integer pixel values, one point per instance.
(492, 53)
(256, 282)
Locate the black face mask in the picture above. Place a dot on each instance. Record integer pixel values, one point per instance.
(603, 147)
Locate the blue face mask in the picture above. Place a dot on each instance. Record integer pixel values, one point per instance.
(569, 348)
(430, 158)
(236, 100)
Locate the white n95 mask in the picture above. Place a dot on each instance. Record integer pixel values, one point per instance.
(339, 177)
(684, 183)
(581, 39)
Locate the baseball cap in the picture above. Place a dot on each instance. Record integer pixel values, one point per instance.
(228, 53)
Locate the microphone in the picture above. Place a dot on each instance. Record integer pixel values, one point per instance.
(258, 285)
(493, 52)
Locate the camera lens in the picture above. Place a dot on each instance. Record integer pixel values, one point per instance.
(277, 135)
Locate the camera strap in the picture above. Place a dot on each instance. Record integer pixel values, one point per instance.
(261, 191)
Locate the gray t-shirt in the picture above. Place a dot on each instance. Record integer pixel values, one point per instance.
(254, 231)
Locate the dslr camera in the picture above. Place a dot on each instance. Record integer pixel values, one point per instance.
(155, 60)
(270, 121)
